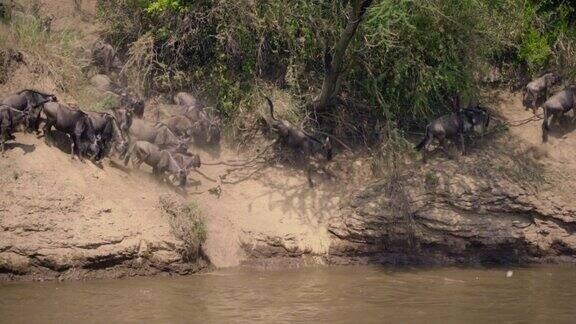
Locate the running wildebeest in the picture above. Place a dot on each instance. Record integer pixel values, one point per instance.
(106, 126)
(105, 56)
(305, 146)
(186, 99)
(124, 117)
(76, 124)
(133, 102)
(559, 104)
(31, 101)
(188, 161)
(10, 118)
(453, 126)
(206, 129)
(538, 90)
(161, 161)
(159, 135)
(180, 126)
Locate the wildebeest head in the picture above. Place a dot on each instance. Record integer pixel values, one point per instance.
(133, 103)
(124, 116)
(554, 77)
(89, 136)
(195, 162)
(478, 117)
(214, 131)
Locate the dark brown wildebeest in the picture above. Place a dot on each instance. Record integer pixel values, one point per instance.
(558, 105)
(10, 118)
(104, 55)
(133, 102)
(453, 126)
(538, 89)
(304, 145)
(161, 161)
(159, 135)
(31, 101)
(76, 124)
(106, 127)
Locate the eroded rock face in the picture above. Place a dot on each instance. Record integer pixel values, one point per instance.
(65, 220)
(454, 218)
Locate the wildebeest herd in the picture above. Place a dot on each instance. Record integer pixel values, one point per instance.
(536, 94)
(163, 145)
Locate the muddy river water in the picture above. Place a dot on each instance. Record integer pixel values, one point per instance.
(332, 295)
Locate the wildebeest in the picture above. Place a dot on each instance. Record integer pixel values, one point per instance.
(76, 124)
(106, 127)
(10, 118)
(206, 129)
(105, 55)
(133, 102)
(305, 146)
(188, 161)
(186, 99)
(124, 117)
(31, 101)
(161, 161)
(180, 126)
(559, 104)
(159, 135)
(453, 126)
(538, 89)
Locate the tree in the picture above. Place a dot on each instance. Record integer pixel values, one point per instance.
(333, 64)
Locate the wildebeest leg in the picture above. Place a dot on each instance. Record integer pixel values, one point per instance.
(3, 141)
(46, 130)
(462, 144)
(73, 146)
(545, 127)
(534, 98)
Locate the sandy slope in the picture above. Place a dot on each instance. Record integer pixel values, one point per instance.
(262, 212)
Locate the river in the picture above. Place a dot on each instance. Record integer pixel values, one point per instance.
(330, 294)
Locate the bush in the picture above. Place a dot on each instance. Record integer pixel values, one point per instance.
(406, 65)
(188, 226)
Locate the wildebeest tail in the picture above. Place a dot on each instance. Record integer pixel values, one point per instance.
(421, 145)
(525, 102)
(271, 106)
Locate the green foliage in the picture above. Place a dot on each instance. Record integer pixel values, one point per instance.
(535, 51)
(159, 6)
(406, 65)
(188, 226)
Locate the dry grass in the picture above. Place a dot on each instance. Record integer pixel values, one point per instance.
(48, 55)
(54, 62)
(187, 225)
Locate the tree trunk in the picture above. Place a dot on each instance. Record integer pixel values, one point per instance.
(333, 65)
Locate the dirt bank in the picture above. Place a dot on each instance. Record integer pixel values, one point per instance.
(510, 200)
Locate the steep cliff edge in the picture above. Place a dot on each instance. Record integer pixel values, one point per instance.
(511, 200)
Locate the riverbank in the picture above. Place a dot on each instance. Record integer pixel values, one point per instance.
(509, 201)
